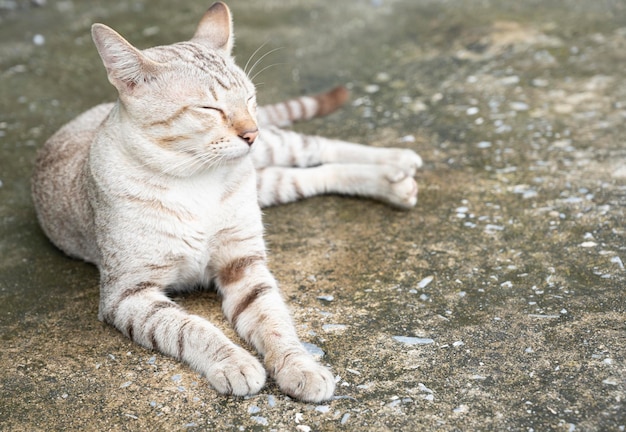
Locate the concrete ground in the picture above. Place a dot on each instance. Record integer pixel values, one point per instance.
(496, 304)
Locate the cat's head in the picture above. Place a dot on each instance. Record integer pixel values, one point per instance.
(188, 98)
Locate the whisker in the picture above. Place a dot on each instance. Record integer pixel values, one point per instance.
(245, 68)
(261, 58)
(264, 69)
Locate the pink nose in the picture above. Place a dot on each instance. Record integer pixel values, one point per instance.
(249, 136)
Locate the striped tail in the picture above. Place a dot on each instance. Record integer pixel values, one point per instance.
(302, 108)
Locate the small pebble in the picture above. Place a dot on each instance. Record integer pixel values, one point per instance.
(345, 418)
(421, 387)
(424, 282)
(327, 298)
(491, 227)
(461, 409)
(413, 340)
(260, 420)
(588, 244)
(615, 260)
(253, 409)
(39, 40)
(519, 106)
(314, 350)
(333, 327)
(510, 80)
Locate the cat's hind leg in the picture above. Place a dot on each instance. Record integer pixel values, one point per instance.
(286, 148)
(387, 183)
(147, 316)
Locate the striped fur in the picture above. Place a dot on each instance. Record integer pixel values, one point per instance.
(159, 190)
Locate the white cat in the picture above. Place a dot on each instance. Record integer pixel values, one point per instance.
(159, 190)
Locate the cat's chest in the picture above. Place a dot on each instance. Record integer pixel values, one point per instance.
(197, 209)
(183, 217)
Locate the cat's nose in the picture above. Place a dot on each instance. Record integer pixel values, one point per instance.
(249, 136)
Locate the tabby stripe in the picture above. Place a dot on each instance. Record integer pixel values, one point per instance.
(283, 361)
(218, 356)
(213, 93)
(293, 161)
(297, 188)
(234, 270)
(157, 205)
(168, 121)
(269, 110)
(152, 338)
(181, 337)
(219, 80)
(290, 113)
(278, 185)
(250, 298)
(167, 141)
(259, 182)
(156, 307)
(130, 329)
(137, 289)
(302, 106)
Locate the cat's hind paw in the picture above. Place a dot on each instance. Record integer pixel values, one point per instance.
(405, 159)
(401, 189)
(238, 373)
(301, 377)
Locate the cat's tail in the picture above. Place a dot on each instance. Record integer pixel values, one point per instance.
(302, 108)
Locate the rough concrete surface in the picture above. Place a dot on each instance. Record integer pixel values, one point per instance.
(496, 304)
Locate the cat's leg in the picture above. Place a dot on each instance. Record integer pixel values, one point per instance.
(387, 183)
(141, 311)
(279, 147)
(253, 304)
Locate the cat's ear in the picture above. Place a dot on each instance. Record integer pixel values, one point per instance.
(126, 66)
(216, 29)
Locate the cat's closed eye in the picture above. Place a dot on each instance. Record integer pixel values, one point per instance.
(212, 108)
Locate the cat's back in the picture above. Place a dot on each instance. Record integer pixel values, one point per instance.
(59, 184)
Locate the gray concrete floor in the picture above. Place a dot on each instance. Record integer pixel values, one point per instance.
(512, 263)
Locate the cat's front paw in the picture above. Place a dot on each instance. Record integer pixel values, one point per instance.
(301, 377)
(237, 373)
(401, 188)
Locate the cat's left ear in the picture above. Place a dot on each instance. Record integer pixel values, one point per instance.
(216, 29)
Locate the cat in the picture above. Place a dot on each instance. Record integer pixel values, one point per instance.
(162, 192)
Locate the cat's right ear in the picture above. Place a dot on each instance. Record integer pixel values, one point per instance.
(126, 66)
